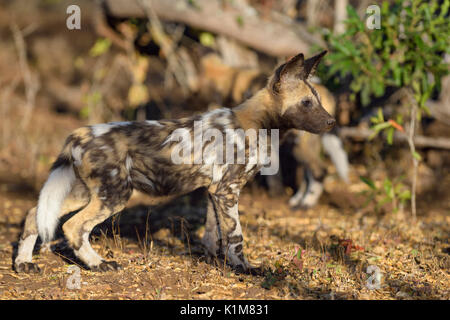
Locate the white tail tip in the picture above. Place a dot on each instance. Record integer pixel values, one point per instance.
(53, 193)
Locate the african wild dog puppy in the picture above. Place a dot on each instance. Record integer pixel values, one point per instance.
(100, 165)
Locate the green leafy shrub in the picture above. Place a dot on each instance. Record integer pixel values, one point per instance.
(406, 51)
(390, 191)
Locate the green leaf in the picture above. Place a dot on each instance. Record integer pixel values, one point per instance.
(84, 112)
(405, 195)
(381, 126)
(380, 115)
(368, 182)
(383, 201)
(417, 156)
(377, 87)
(390, 135)
(100, 47)
(240, 21)
(387, 185)
(207, 39)
(374, 120)
(365, 95)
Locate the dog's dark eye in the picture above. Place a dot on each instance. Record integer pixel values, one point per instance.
(307, 103)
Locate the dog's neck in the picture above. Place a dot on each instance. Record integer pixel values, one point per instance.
(260, 112)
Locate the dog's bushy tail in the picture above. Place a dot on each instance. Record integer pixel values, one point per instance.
(55, 190)
(332, 145)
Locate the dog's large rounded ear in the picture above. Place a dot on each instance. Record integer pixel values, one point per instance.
(310, 65)
(287, 71)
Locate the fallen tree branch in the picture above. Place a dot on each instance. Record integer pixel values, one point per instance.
(246, 26)
(419, 141)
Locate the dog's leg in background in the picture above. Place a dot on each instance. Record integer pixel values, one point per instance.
(295, 200)
(313, 191)
(333, 146)
(77, 199)
(307, 153)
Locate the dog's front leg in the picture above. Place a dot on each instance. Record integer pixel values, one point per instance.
(223, 229)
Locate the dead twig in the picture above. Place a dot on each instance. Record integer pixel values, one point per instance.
(412, 148)
(30, 80)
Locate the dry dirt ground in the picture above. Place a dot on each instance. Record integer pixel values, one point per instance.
(413, 259)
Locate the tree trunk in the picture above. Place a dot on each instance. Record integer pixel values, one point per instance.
(274, 38)
(340, 15)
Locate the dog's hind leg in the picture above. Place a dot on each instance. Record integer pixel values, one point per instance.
(78, 228)
(77, 199)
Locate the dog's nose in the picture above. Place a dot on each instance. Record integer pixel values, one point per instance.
(331, 122)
